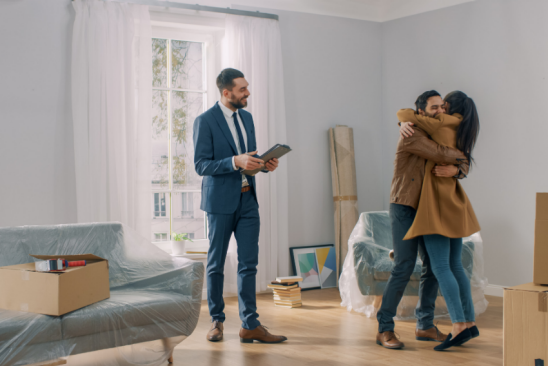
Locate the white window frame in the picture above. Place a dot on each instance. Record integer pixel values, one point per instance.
(210, 36)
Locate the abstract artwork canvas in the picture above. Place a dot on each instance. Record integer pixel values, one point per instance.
(326, 260)
(313, 271)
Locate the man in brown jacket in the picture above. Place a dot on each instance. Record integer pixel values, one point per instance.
(414, 148)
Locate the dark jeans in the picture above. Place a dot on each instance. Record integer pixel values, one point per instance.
(245, 224)
(405, 257)
(446, 255)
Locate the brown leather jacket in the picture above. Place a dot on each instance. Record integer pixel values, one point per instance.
(411, 156)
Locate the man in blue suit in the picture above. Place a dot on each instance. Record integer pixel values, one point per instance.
(224, 146)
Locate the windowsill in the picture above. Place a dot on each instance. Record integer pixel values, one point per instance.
(198, 245)
(191, 256)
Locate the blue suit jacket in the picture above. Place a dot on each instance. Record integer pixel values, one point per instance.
(214, 148)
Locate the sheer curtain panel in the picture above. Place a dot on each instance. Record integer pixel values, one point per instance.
(253, 46)
(111, 106)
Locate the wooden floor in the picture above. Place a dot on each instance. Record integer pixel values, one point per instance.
(323, 333)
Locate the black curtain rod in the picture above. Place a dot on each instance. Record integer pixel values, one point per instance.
(170, 4)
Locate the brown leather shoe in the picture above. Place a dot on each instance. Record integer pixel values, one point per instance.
(430, 335)
(216, 332)
(259, 334)
(389, 340)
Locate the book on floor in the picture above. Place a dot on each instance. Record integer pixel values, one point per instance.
(285, 298)
(287, 302)
(289, 306)
(287, 294)
(283, 284)
(289, 279)
(282, 287)
(284, 291)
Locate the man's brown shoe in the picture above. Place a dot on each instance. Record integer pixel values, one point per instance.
(259, 334)
(430, 335)
(389, 340)
(216, 332)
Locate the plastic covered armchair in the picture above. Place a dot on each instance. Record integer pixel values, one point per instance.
(367, 268)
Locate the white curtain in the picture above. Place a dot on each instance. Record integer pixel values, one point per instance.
(111, 106)
(253, 46)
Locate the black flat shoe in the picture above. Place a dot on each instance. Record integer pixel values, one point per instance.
(449, 342)
(474, 332)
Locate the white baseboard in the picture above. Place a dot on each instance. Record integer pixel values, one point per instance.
(494, 290)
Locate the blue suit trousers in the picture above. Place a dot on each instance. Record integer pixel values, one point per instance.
(245, 224)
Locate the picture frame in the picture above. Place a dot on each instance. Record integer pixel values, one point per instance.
(316, 264)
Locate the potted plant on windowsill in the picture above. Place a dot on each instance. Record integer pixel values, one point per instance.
(179, 243)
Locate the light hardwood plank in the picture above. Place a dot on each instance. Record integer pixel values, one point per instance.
(323, 333)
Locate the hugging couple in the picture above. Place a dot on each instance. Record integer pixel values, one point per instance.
(430, 214)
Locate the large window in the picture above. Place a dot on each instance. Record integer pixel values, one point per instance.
(179, 95)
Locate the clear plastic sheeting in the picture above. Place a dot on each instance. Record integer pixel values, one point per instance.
(367, 268)
(154, 302)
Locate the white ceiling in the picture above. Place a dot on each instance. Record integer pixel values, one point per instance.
(374, 10)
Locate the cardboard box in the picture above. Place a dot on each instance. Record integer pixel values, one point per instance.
(540, 267)
(526, 325)
(22, 288)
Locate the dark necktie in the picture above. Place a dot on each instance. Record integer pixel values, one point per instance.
(239, 130)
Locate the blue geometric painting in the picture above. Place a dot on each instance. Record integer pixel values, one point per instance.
(327, 266)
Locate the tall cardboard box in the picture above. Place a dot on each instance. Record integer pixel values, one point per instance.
(526, 325)
(540, 267)
(22, 288)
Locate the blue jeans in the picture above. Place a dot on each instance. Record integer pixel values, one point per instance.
(245, 224)
(405, 257)
(445, 255)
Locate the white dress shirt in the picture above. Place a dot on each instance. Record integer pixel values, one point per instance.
(230, 120)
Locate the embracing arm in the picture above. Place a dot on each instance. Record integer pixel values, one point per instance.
(464, 168)
(203, 152)
(421, 145)
(428, 124)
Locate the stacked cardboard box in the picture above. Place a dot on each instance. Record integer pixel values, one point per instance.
(540, 271)
(526, 306)
(287, 292)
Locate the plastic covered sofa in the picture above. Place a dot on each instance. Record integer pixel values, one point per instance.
(154, 304)
(368, 266)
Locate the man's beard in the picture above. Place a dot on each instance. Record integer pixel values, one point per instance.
(242, 103)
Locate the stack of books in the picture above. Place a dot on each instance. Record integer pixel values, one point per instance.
(287, 292)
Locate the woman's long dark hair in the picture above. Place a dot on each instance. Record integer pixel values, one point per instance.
(469, 127)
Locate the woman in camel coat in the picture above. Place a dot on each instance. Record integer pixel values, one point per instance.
(445, 215)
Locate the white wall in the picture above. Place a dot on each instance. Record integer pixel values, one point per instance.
(496, 52)
(332, 76)
(336, 71)
(36, 150)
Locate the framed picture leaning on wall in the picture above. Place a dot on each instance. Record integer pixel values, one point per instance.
(316, 264)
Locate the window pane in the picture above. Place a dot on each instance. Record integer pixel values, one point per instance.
(186, 107)
(159, 62)
(160, 216)
(187, 216)
(186, 65)
(160, 140)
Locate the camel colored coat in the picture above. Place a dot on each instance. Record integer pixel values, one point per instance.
(444, 207)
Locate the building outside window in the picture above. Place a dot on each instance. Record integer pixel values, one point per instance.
(159, 205)
(160, 237)
(187, 205)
